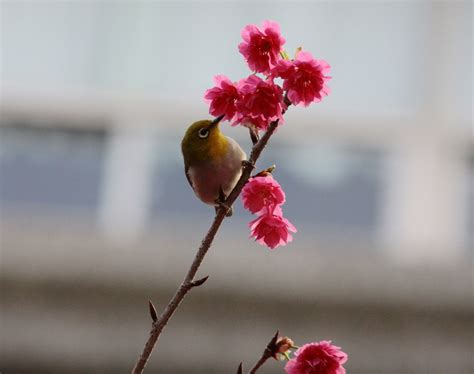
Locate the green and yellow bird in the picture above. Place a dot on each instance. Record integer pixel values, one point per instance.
(212, 161)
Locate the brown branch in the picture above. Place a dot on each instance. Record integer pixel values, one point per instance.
(188, 282)
(270, 351)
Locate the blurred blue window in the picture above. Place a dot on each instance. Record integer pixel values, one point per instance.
(45, 165)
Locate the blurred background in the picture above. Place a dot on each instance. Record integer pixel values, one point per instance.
(97, 216)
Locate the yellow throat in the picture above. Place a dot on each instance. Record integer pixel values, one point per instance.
(204, 142)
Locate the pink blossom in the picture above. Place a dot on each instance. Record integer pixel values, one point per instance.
(317, 358)
(222, 98)
(261, 103)
(261, 46)
(262, 192)
(272, 229)
(304, 78)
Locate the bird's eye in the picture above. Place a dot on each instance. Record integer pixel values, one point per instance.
(203, 133)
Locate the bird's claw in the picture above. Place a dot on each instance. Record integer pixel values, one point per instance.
(221, 203)
(248, 165)
(229, 210)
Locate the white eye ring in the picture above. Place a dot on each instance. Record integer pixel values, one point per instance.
(203, 133)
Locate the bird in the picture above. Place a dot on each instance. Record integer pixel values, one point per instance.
(212, 162)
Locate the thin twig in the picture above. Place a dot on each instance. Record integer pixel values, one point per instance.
(260, 362)
(188, 282)
(267, 353)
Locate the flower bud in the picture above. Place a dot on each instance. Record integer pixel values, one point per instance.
(282, 346)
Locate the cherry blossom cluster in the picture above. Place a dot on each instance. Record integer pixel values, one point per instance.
(318, 358)
(314, 358)
(258, 101)
(263, 196)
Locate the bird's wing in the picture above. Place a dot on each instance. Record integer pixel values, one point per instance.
(186, 171)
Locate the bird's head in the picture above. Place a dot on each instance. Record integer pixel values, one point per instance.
(203, 141)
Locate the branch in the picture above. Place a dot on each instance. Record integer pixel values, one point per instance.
(188, 283)
(270, 351)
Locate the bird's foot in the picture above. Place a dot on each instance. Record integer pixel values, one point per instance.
(221, 203)
(229, 209)
(248, 165)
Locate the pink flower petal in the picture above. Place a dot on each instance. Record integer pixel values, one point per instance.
(321, 358)
(261, 47)
(304, 78)
(271, 230)
(260, 103)
(223, 97)
(262, 193)
(304, 56)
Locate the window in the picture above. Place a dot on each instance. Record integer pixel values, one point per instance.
(45, 166)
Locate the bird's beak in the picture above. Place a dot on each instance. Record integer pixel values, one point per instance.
(216, 121)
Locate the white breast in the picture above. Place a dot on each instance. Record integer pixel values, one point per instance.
(208, 179)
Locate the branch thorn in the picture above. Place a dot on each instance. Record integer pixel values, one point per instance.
(266, 172)
(153, 314)
(272, 343)
(199, 282)
(254, 135)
